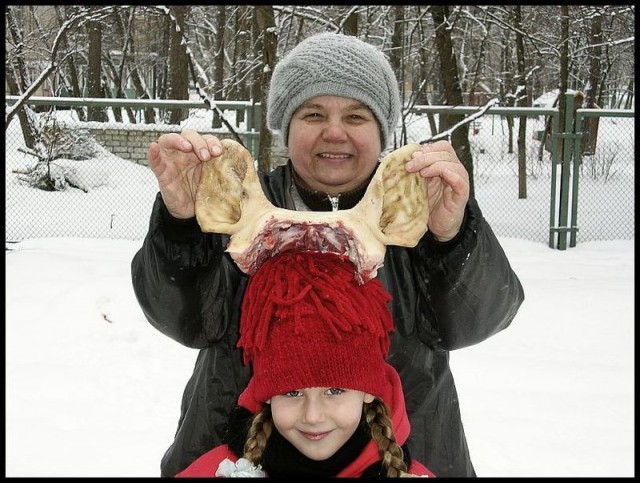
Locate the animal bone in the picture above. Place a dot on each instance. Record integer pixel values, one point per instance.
(393, 211)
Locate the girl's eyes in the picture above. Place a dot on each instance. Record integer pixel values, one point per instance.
(332, 391)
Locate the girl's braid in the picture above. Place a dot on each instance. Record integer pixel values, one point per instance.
(259, 432)
(391, 454)
(377, 416)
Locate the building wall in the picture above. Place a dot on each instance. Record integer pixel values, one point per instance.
(125, 143)
(132, 144)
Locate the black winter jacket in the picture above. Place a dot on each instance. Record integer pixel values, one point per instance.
(445, 296)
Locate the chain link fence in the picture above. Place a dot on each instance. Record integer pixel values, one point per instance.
(605, 174)
(104, 190)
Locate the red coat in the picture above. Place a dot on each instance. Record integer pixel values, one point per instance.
(207, 464)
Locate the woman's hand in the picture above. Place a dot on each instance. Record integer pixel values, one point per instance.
(448, 187)
(176, 161)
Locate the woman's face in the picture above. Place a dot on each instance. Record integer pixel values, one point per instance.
(318, 421)
(334, 143)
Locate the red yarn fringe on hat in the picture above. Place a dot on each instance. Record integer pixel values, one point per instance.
(298, 284)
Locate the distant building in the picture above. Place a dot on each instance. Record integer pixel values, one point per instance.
(547, 99)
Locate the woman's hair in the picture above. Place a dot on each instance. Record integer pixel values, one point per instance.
(377, 417)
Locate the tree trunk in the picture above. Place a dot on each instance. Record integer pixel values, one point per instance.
(480, 64)
(73, 82)
(218, 62)
(396, 59)
(521, 99)
(178, 86)
(124, 32)
(564, 71)
(422, 96)
(17, 77)
(243, 54)
(117, 81)
(452, 89)
(94, 70)
(163, 60)
(507, 85)
(143, 91)
(266, 31)
(350, 25)
(595, 71)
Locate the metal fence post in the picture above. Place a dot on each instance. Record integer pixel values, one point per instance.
(555, 162)
(254, 124)
(568, 147)
(257, 120)
(249, 119)
(577, 160)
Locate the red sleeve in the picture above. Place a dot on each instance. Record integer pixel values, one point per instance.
(207, 464)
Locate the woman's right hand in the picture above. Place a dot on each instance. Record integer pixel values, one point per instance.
(176, 161)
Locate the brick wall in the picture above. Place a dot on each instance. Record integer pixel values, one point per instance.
(127, 144)
(131, 144)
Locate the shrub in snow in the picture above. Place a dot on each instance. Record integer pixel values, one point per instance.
(56, 142)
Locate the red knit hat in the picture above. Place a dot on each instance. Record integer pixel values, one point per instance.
(306, 322)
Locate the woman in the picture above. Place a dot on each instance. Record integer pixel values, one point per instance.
(335, 101)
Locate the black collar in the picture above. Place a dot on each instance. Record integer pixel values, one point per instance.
(282, 459)
(320, 201)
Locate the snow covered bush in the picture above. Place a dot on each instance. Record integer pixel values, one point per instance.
(56, 142)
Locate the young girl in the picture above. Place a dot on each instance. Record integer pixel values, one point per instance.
(322, 400)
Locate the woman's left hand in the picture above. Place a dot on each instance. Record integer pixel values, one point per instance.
(448, 187)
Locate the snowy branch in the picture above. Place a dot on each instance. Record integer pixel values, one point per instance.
(447, 134)
(76, 20)
(195, 67)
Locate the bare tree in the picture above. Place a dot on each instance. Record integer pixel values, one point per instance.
(350, 24)
(476, 49)
(218, 62)
(178, 78)
(564, 68)
(26, 90)
(239, 52)
(267, 32)
(125, 68)
(521, 99)
(452, 88)
(508, 86)
(397, 58)
(94, 69)
(127, 20)
(18, 76)
(595, 73)
(73, 82)
(426, 67)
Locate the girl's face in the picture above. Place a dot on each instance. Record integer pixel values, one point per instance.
(334, 143)
(319, 420)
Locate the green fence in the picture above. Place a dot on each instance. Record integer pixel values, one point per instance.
(596, 162)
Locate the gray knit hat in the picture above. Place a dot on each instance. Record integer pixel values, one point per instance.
(331, 64)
